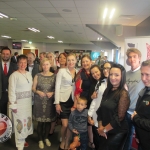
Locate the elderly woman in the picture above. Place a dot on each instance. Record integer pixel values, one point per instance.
(44, 110)
(141, 115)
(20, 101)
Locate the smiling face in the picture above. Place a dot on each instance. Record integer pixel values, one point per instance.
(62, 59)
(106, 69)
(46, 65)
(115, 77)
(96, 74)
(31, 59)
(134, 60)
(145, 75)
(6, 55)
(22, 64)
(86, 63)
(71, 61)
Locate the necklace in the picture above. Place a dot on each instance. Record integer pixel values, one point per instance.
(25, 76)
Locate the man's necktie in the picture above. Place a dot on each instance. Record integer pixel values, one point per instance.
(5, 69)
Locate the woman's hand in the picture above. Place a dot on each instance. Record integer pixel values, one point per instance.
(90, 121)
(41, 94)
(58, 109)
(49, 94)
(94, 95)
(14, 110)
(101, 132)
(73, 108)
(134, 113)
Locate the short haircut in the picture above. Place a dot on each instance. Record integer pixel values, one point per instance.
(15, 53)
(133, 50)
(5, 48)
(145, 63)
(44, 60)
(21, 57)
(31, 53)
(83, 99)
(43, 53)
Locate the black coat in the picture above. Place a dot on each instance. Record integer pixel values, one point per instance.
(142, 119)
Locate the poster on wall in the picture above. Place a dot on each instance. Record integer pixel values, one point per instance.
(142, 44)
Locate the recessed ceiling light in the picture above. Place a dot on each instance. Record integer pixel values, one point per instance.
(34, 30)
(98, 38)
(3, 16)
(30, 42)
(50, 37)
(67, 10)
(101, 38)
(5, 36)
(60, 41)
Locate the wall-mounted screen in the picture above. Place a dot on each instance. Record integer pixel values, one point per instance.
(16, 45)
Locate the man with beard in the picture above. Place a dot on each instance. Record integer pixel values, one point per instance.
(32, 66)
(6, 69)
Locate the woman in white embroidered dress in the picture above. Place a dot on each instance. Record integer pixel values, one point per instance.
(20, 101)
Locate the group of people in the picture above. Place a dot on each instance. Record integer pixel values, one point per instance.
(101, 105)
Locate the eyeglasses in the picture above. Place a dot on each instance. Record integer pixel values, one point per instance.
(106, 68)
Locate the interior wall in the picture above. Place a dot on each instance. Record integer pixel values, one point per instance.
(143, 29)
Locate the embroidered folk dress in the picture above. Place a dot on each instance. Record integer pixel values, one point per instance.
(20, 98)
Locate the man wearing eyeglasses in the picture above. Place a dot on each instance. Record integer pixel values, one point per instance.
(134, 84)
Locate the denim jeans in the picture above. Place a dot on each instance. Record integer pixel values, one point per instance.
(128, 142)
(83, 141)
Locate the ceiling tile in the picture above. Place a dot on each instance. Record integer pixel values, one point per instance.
(46, 10)
(40, 3)
(18, 4)
(65, 3)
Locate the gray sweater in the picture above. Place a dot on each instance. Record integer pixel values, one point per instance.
(78, 120)
(135, 84)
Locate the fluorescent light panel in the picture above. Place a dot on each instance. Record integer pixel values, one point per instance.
(50, 37)
(105, 13)
(3, 16)
(24, 40)
(34, 30)
(60, 41)
(5, 36)
(112, 13)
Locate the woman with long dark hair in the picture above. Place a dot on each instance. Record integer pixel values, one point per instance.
(112, 126)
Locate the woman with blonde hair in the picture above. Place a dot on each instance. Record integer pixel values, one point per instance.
(64, 95)
(51, 57)
(44, 110)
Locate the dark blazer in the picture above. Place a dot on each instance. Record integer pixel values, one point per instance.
(4, 78)
(13, 60)
(35, 69)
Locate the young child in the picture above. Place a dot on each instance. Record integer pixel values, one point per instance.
(78, 122)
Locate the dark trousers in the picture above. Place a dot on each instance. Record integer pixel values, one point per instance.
(96, 137)
(128, 142)
(3, 103)
(113, 141)
(83, 141)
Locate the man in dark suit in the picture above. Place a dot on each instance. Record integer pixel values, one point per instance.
(32, 67)
(6, 69)
(14, 58)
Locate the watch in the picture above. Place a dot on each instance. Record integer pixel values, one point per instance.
(105, 131)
